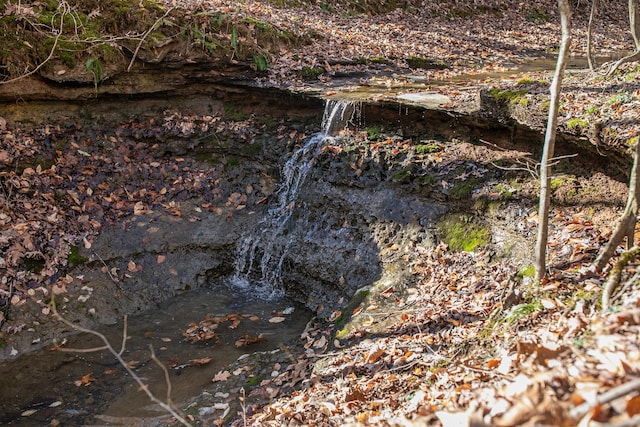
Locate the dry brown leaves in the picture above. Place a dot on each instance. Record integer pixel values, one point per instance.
(60, 185)
(452, 350)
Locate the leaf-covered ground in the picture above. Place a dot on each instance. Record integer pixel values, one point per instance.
(469, 340)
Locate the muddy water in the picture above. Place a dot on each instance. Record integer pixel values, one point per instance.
(75, 387)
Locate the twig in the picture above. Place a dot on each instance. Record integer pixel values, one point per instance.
(164, 405)
(135, 53)
(526, 168)
(113, 279)
(124, 335)
(166, 373)
(82, 350)
(243, 405)
(606, 397)
(555, 160)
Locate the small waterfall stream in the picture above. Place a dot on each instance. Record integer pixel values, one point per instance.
(260, 250)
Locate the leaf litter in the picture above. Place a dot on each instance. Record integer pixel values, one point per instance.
(466, 342)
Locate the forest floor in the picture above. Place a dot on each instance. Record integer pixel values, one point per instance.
(457, 348)
(470, 342)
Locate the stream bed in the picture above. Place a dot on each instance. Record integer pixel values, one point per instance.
(74, 387)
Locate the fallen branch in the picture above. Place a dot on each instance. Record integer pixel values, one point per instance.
(631, 58)
(606, 397)
(118, 355)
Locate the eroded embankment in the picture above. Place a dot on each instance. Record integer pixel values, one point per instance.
(155, 200)
(185, 178)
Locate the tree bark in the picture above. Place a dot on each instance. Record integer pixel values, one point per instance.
(634, 26)
(634, 21)
(592, 17)
(627, 222)
(550, 140)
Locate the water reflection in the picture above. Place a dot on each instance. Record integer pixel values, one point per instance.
(74, 387)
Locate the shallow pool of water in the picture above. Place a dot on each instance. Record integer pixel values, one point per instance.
(75, 387)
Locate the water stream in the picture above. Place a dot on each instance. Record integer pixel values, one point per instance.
(75, 387)
(259, 250)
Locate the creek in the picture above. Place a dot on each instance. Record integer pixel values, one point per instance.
(248, 310)
(323, 220)
(49, 384)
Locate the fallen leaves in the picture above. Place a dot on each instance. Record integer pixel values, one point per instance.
(85, 380)
(221, 376)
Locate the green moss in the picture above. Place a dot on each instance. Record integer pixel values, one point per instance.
(427, 180)
(544, 107)
(342, 333)
(577, 123)
(74, 258)
(527, 81)
(428, 148)
(560, 180)
(232, 161)
(373, 60)
(254, 381)
(456, 12)
(528, 271)
(463, 188)
(513, 97)
(234, 113)
(258, 23)
(310, 73)
(404, 175)
(374, 133)
(66, 51)
(267, 121)
(592, 109)
(489, 206)
(587, 296)
(206, 157)
(461, 234)
(425, 63)
(506, 191)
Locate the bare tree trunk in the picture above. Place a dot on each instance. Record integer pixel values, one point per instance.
(550, 141)
(634, 26)
(634, 22)
(627, 222)
(592, 17)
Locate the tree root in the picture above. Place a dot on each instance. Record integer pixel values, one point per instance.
(630, 58)
(616, 273)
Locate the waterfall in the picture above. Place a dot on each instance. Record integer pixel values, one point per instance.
(271, 237)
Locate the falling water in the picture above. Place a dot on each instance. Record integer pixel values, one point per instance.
(268, 263)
